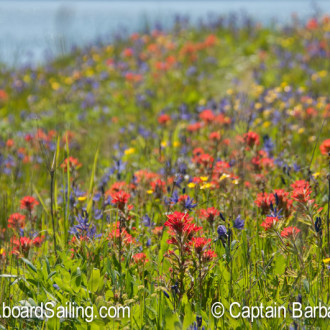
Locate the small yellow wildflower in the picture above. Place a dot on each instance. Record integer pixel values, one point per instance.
(129, 151)
(301, 130)
(224, 176)
(163, 144)
(55, 85)
(206, 186)
(266, 124)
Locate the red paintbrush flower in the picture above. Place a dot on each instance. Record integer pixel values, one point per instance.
(209, 255)
(300, 184)
(163, 119)
(194, 127)
(209, 214)
(180, 224)
(16, 220)
(122, 234)
(200, 244)
(28, 203)
(290, 232)
(120, 199)
(215, 136)
(207, 116)
(325, 147)
(251, 139)
(37, 241)
(301, 195)
(269, 222)
(264, 201)
(284, 202)
(177, 221)
(140, 258)
(71, 163)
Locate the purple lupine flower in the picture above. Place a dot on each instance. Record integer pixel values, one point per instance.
(189, 203)
(147, 221)
(239, 223)
(222, 231)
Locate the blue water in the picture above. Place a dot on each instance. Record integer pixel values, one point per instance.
(31, 31)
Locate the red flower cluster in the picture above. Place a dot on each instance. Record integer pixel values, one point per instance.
(290, 232)
(24, 244)
(269, 222)
(302, 192)
(120, 199)
(163, 119)
(16, 221)
(28, 203)
(251, 139)
(140, 258)
(284, 202)
(325, 147)
(181, 229)
(122, 234)
(200, 244)
(71, 163)
(209, 214)
(263, 201)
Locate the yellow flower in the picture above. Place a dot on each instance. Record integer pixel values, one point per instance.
(301, 130)
(326, 261)
(258, 121)
(27, 78)
(176, 144)
(129, 151)
(89, 72)
(315, 175)
(224, 176)
(68, 80)
(149, 192)
(163, 144)
(191, 185)
(204, 178)
(258, 105)
(82, 198)
(206, 186)
(96, 57)
(323, 73)
(55, 85)
(266, 124)
(2, 251)
(235, 181)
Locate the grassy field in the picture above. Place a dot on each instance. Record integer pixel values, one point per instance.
(168, 171)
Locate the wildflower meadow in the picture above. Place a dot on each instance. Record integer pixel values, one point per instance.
(154, 180)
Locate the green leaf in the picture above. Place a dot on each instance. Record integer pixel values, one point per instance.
(51, 275)
(306, 285)
(189, 317)
(280, 263)
(29, 264)
(91, 183)
(94, 280)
